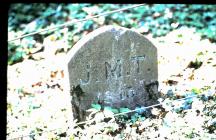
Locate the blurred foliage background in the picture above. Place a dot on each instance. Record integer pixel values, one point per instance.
(155, 19)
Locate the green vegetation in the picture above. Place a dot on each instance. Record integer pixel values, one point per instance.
(157, 19)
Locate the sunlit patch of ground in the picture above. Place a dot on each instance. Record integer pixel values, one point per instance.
(38, 98)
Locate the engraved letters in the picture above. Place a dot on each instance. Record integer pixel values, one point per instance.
(127, 92)
(137, 60)
(114, 71)
(84, 82)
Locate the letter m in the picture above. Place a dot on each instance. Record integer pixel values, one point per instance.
(114, 71)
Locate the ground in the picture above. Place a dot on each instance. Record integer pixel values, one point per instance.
(38, 98)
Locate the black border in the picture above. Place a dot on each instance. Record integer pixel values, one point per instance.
(3, 70)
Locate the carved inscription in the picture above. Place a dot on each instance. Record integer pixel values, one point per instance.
(114, 71)
(136, 60)
(127, 92)
(84, 82)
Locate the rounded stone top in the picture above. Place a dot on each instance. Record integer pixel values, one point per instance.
(113, 64)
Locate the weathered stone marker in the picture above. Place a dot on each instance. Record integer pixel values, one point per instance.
(115, 65)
